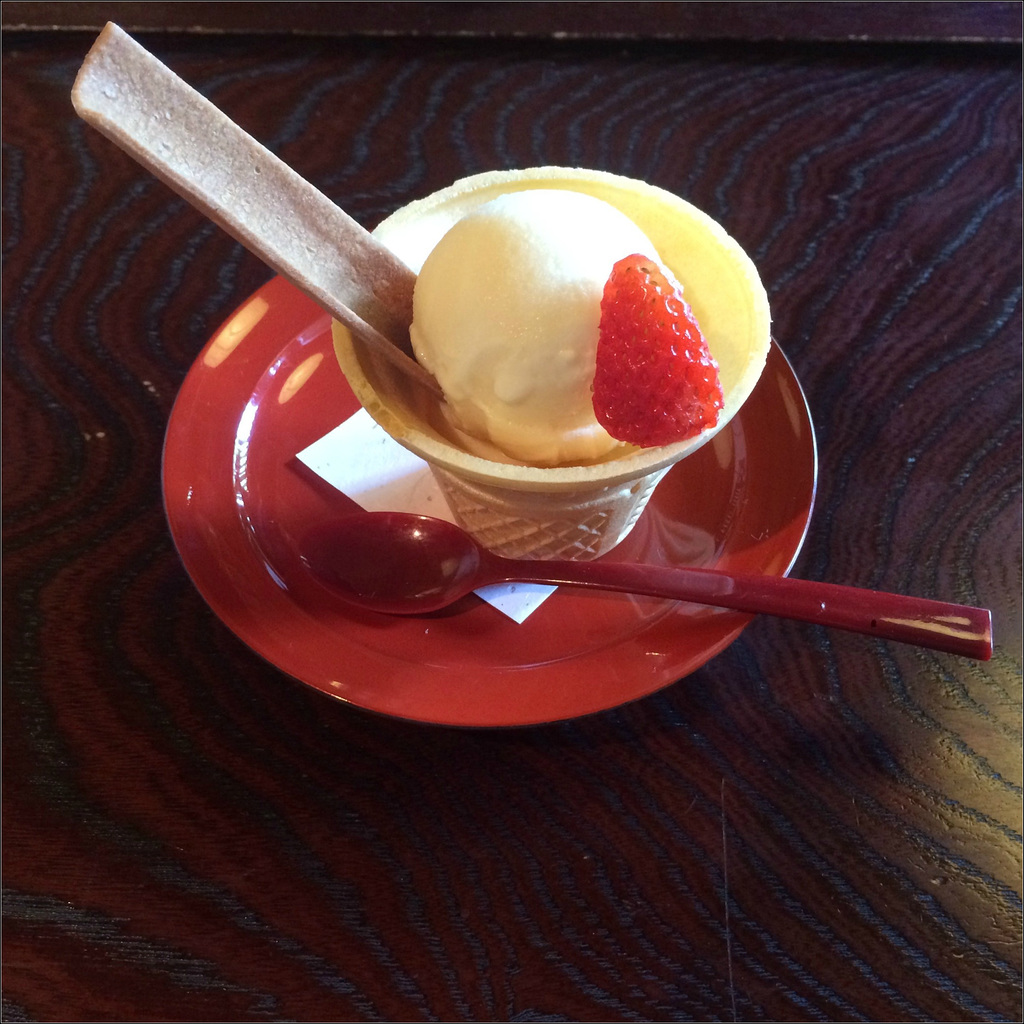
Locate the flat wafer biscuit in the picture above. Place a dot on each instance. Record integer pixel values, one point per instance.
(137, 102)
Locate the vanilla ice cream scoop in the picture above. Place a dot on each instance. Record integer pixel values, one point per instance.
(574, 509)
(505, 315)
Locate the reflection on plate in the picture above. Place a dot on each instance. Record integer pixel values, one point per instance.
(237, 500)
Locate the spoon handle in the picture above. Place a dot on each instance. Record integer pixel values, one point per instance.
(137, 102)
(954, 628)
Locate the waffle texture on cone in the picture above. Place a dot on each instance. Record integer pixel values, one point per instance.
(727, 298)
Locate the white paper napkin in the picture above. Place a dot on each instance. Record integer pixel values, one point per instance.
(362, 461)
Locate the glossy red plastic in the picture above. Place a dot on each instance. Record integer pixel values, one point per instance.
(405, 564)
(238, 503)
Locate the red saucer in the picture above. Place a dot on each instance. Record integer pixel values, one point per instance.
(267, 385)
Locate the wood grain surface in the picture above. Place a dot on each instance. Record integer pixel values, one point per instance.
(917, 21)
(815, 826)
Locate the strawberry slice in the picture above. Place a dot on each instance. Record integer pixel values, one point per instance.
(656, 382)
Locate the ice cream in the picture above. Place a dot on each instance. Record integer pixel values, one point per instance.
(505, 316)
(577, 509)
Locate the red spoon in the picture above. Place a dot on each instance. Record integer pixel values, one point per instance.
(406, 564)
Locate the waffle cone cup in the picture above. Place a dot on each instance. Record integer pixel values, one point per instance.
(581, 511)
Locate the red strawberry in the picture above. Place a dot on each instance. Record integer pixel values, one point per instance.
(656, 382)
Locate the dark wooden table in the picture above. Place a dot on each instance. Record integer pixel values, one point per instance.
(813, 826)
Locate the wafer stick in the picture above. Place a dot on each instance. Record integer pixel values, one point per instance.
(138, 103)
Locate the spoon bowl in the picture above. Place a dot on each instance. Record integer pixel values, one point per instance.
(404, 564)
(395, 562)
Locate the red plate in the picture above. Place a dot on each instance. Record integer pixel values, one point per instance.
(267, 385)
